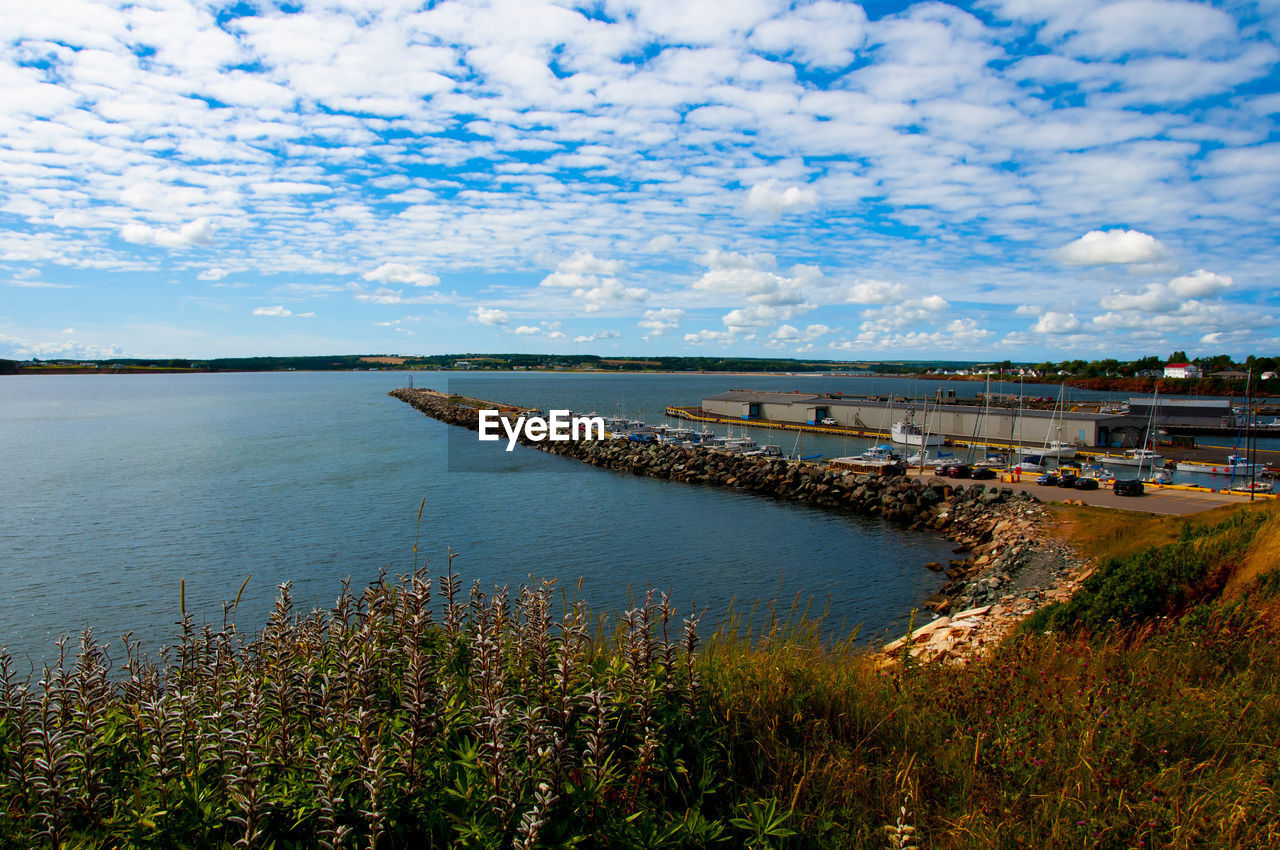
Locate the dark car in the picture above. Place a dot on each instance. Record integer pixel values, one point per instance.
(983, 473)
(1048, 479)
(957, 470)
(1066, 479)
(1086, 484)
(1128, 487)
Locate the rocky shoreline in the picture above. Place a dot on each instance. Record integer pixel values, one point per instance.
(1002, 566)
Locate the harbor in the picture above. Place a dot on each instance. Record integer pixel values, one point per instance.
(1004, 437)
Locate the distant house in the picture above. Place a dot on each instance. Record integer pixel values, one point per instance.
(1182, 370)
(462, 364)
(1230, 375)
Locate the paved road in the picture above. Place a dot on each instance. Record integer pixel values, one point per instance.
(1155, 500)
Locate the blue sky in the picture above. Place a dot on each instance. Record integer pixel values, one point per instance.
(1027, 179)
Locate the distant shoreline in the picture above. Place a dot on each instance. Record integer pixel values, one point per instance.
(1136, 386)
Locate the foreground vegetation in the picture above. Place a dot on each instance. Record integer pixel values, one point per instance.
(1141, 714)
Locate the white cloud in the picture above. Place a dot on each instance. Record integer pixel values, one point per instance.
(773, 198)
(662, 320)
(597, 336)
(875, 292)
(591, 282)
(1053, 322)
(707, 335)
(197, 232)
(400, 273)
(281, 312)
(212, 274)
(1199, 284)
(1113, 247)
(792, 334)
(29, 283)
(490, 316)
(527, 330)
(285, 187)
(1171, 297)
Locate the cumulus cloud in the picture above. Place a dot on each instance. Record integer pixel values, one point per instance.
(527, 330)
(1053, 322)
(197, 232)
(707, 335)
(913, 311)
(400, 273)
(1171, 297)
(597, 336)
(874, 292)
(662, 320)
(774, 198)
(793, 335)
(212, 274)
(1199, 284)
(490, 316)
(592, 282)
(752, 277)
(1113, 247)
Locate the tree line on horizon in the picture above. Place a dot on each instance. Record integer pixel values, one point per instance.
(1102, 368)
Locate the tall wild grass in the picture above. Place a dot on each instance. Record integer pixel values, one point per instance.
(412, 714)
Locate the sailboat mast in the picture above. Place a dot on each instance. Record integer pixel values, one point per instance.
(1250, 448)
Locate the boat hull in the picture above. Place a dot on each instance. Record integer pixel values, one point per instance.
(1211, 469)
(905, 434)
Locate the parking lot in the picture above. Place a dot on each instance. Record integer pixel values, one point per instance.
(1155, 499)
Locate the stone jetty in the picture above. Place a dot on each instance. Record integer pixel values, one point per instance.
(999, 532)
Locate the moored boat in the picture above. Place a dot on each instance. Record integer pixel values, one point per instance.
(878, 459)
(1134, 457)
(1235, 465)
(907, 433)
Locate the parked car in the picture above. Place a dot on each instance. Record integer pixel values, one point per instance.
(828, 421)
(957, 470)
(1066, 479)
(1128, 487)
(983, 473)
(1048, 479)
(1086, 484)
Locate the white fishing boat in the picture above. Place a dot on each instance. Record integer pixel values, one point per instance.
(907, 433)
(992, 462)
(923, 458)
(877, 459)
(1134, 457)
(1060, 450)
(1032, 463)
(1254, 487)
(1235, 465)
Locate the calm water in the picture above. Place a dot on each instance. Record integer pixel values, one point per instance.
(118, 487)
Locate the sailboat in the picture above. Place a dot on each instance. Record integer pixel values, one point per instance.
(1143, 456)
(1057, 448)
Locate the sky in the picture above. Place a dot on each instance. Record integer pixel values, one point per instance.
(1008, 179)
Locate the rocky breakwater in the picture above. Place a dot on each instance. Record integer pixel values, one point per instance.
(1010, 565)
(1004, 566)
(934, 504)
